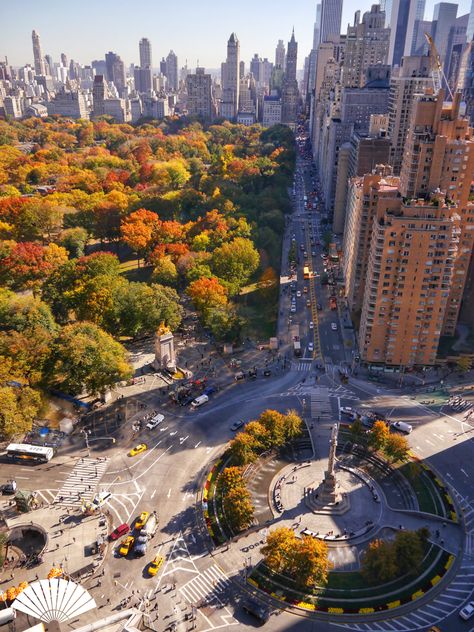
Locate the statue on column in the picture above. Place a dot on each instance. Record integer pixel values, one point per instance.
(165, 357)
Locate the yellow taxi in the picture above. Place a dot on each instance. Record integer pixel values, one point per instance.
(155, 565)
(126, 545)
(140, 522)
(138, 449)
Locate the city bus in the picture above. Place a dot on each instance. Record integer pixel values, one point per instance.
(306, 274)
(31, 453)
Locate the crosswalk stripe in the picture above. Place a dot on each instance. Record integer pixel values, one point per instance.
(81, 482)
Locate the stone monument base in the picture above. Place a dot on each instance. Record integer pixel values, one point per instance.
(319, 501)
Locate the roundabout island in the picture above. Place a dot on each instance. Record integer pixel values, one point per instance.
(388, 529)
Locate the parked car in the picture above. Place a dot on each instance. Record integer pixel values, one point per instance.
(119, 531)
(9, 487)
(468, 611)
(346, 410)
(310, 346)
(260, 611)
(267, 372)
(236, 425)
(334, 326)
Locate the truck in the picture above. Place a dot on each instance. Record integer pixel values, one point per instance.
(146, 533)
(297, 348)
(333, 303)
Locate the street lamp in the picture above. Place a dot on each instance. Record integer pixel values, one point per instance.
(88, 441)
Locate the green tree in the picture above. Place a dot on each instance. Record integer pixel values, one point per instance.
(84, 357)
(409, 549)
(74, 240)
(379, 564)
(396, 448)
(141, 308)
(24, 312)
(165, 271)
(235, 262)
(378, 435)
(357, 430)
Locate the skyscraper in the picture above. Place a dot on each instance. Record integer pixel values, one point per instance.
(172, 71)
(145, 53)
(255, 64)
(290, 94)
(280, 55)
(116, 71)
(37, 54)
(231, 79)
(470, 24)
(99, 93)
(404, 15)
(444, 18)
(331, 14)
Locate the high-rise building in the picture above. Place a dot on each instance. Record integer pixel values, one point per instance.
(231, 79)
(470, 24)
(444, 18)
(99, 94)
(419, 44)
(317, 27)
(116, 71)
(367, 44)
(414, 252)
(255, 65)
(37, 54)
(331, 15)
(290, 93)
(199, 90)
(144, 47)
(404, 14)
(280, 55)
(172, 71)
(271, 110)
(70, 104)
(410, 79)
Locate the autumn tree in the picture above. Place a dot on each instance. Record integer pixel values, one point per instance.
(274, 423)
(86, 358)
(138, 230)
(304, 559)
(29, 264)
(206, 293)
(19, 405)
(357, 430)
(243, 449)
(293, 425)
(378, 435)
(464, 364)
(238, 508)
(410, 549)
(396, 448)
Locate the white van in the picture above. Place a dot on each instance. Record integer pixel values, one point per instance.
(199, 401)
(402, 427)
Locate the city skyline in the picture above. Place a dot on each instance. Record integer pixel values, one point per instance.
(108, 31)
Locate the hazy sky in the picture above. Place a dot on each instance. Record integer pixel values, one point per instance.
(194, 29)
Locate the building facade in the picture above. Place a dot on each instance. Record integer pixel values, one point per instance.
(231, 79)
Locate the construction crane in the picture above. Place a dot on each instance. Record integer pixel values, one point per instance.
(437, 68)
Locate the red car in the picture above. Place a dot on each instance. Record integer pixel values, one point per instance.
(119, 532)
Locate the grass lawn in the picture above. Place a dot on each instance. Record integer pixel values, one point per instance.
(259, 309)
(424, 489)
(132, 272)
